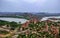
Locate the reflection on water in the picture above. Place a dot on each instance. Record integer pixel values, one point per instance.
(45, 18)
(13, 19)
(24, 20)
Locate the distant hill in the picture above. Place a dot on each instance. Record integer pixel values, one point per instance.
(27, 14)
(48, 14)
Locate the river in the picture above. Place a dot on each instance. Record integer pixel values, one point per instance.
(46, 18)
(14, 19)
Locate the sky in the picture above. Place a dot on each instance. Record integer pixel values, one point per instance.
(50, 6)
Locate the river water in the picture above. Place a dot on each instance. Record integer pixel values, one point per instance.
(24, 20)
(46, 18)
(14, 19)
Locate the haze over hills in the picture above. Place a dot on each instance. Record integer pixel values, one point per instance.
(38, 13)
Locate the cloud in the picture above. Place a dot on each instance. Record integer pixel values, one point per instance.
(30, 1)
(12, 0)
(33, 1)
(30, 5)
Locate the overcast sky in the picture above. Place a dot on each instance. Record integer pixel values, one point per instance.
(51, 6)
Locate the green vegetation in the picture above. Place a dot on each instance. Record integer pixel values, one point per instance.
(3, 32)
(38, 28)
(33, 30)
(25, 17)
(13, 25)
